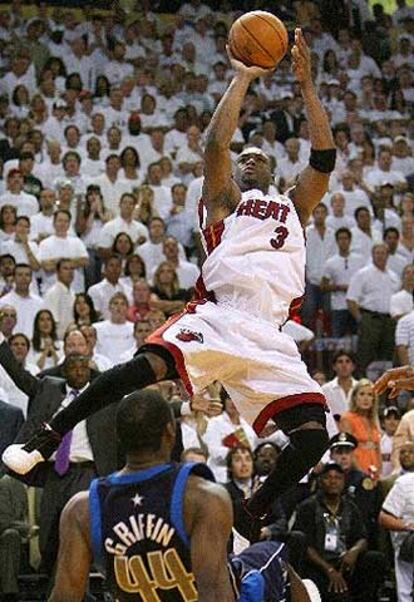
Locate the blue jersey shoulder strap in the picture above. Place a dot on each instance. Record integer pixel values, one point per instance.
(95, 522)
(177, 499)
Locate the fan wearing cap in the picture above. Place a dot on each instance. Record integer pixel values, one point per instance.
(384, 171)
(337, 557)
(360, 486)
(390, 420)
(402, 159)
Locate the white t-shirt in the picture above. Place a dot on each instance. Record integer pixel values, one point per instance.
(114, 339)
(27, 308)
(112, 228)
(401, 303)
(26, 204)
(339, 270)
(400, 503)
(372, 288)
(55, 247)
(101, 294)
(318, 251)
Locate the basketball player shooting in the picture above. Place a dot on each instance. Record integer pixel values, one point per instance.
(253, 273)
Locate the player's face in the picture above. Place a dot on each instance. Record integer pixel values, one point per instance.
(242, 464)
(253, 171)
(332, 482)
(342, 456)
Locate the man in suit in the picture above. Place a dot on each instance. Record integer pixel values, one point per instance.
(90, 449)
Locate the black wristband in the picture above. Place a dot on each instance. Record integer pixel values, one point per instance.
(323, 160)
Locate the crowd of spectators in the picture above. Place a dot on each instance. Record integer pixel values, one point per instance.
(103, 116)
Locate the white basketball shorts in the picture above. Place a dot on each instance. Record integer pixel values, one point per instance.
(259, 366)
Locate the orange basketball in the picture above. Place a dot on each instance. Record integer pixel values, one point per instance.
(258, 38)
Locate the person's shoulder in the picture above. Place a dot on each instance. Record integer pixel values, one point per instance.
(203, 491)
(76, 510)
(405, 480)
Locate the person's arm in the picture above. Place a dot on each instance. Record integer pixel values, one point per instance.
(31, 258)
(402, 355)
(401, 436)
(208, 518)
(22, 378)
(75, 556)
(354, 309)
(164, 305)
(220, 193)
(49, 265)
(393, 523)
(395, 379)
(313, 181)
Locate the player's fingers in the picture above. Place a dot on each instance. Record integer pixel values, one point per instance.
(404, 383)
(381, 384)
(214, 408)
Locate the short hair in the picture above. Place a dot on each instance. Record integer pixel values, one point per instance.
(119, 295)
(64, 211)
(7, 256)
(20, 334)
(62, 261)
(340, 352)
(74, 357)
(112, 156)
(343, 230)
(141, 420)
(232, 452)
(389, 230)
(113, 256)
(23, 218)
(359, 210)
(22, 265)
(71, 155)
(193, 450)
(26, 155)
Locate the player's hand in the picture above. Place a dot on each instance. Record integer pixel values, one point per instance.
(337, 583)
(395, 379)
(301, 59)
(210, 407)
(251, 72)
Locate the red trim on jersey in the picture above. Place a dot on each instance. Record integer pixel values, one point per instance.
(201, 293)
(212, 235)
(285, 403)
(294, 307)
(156, 338)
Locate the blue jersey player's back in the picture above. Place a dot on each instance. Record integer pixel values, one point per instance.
(138, 533)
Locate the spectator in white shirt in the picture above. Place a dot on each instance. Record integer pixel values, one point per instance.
(363, 235)
(142, 330)
(290, 166)
(338, 272)
(60, 296)
(115, 335)
(26, 204)
(124, 223)
(402, 302)
(338, 391)
(396, 262)
(41, 224)
(20, 247)
(60, 245)
(177, 136)
(71, 165)
(162, 194)
(404, 339)
(384, 173)
(151, 251)
(111, 185)
(338, 219)
(116, 69)
(26, 304)
(97, 360)
(93, 165)
(354, 196)
(47, 350)
(320, 246)
(187, 272)
(103, 291)
(402, 159)
(50, 169)
(368, 297)
(190, 153)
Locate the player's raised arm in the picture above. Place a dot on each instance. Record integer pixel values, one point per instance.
(75, 555)
(209, 518)
(220, 193)
(313, 181)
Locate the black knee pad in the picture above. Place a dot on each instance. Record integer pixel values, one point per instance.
(313, 443)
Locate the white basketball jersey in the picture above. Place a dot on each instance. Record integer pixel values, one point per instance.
(256, 257)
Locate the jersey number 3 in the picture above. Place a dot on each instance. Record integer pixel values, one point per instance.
(279, 240)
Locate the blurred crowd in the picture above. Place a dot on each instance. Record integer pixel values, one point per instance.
(103, 115)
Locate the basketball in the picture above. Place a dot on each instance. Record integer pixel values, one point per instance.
(258, 38)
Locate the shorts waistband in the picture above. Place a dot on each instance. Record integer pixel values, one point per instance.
(376, 314)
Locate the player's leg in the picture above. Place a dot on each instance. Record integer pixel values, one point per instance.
(306, 427)
(145, 368)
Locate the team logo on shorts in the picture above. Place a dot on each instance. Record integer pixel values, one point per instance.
(186, 335)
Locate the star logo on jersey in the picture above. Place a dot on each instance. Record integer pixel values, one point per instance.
(137, 500)
(186, 335)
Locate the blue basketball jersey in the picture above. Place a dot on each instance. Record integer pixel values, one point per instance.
(138, 534)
